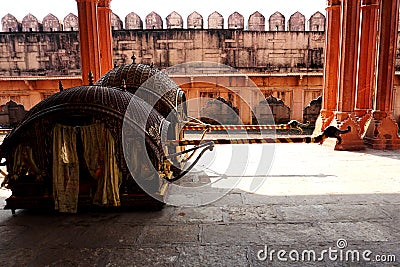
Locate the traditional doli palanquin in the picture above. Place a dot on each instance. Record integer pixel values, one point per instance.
(69, 150)
(120, 142)
(117, 142)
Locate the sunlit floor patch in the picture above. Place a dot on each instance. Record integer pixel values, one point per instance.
(308, 169)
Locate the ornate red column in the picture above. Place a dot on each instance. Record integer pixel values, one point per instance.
(382, 131)
(366, 61)
(89, 39)
(105, 35)
(349, 43)
(331, 64)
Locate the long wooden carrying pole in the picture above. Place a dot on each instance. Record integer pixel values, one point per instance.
(331, 131)
(236, 127)
(4, 131)
(307, 139)
(293, 124)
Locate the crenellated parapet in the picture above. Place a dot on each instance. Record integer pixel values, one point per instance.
(255, 22)
(133, 22)
(116, 23)
(31, 24)
(277, 22)
(51, 24)
(174, 21)
(215, 21)
(195, 21)
(236, 21)
(71, 22)
(10, 24)
(317, 22)
(297, 22)
(154, 21)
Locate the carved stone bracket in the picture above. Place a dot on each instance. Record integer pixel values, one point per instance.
(382, 132)
(324, 120)
(351, 140)
(327, 117)
(362, 118)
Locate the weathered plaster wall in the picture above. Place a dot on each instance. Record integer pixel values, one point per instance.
(244, 50)
(57, 53)
(27, 54)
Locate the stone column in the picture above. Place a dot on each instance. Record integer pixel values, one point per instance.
(348, 58)
(367, 58)
(382, 131)
(349, 42)
(331, 64)
(89, 39)
(297, 100)
(245, 101)
(105, 35)
(366, 62)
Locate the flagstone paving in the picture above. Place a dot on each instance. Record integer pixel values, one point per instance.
(312, 198)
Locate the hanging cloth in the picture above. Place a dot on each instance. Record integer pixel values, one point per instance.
(65, 169)
(99, 154)
(23, 161)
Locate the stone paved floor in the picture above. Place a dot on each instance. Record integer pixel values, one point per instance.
(311, 198)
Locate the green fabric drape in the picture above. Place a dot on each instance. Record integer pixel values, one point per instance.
(65, 169)
(99, 154)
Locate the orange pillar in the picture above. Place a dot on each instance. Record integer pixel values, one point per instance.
(89, 39)
(331, 64)
(105, 35)
(382, 131)
(389, 15)
(349, 43)
(366, 62)
(367, 58)
(348, 58)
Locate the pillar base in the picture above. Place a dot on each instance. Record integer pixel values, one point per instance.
(362, 117)
(324, 119)
(382, 132)
(351, 141)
